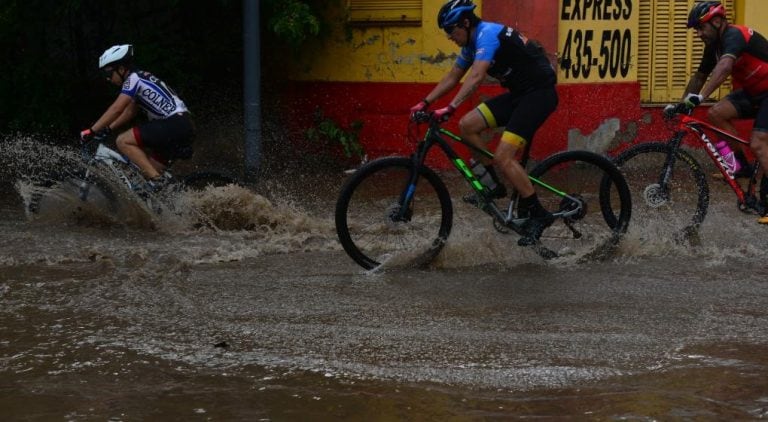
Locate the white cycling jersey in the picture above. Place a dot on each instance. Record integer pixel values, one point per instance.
(153, 95)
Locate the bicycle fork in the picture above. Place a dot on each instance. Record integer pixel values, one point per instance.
(85, 186)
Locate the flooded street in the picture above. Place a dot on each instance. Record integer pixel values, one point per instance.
(263, 317)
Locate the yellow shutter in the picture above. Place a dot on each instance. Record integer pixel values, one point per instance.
(669, 53)
(404, 12)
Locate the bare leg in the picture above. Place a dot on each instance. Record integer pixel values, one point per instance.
(721, 115)
(506, 161)
(127, 144)
(160, 167)
(759, 144)
(472, 125)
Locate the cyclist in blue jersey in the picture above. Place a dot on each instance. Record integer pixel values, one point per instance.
(521, 66)
(167, 134)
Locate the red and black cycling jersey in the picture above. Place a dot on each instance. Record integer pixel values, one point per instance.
(750, 50)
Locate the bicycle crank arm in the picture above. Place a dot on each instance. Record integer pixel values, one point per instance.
(576, 234)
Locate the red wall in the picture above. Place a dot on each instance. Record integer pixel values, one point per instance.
(537, 19)
(383, 109)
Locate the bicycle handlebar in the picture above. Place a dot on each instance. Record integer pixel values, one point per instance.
(423, 117)
(679, 108)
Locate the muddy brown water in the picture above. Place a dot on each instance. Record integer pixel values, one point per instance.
(266, 318)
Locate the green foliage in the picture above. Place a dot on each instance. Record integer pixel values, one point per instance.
(294, 22)
(328, 132)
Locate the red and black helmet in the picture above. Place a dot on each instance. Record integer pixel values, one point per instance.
(703, 12)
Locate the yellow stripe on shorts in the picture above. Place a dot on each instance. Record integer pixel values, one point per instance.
(513, 139)
(487, 115)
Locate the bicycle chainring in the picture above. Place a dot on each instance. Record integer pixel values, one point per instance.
(569, 205)
(500, 227)
(751, 205)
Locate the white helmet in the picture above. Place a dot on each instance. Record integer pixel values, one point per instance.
(116, 53)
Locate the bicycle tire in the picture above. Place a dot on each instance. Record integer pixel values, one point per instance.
(369, 198)
(682, 210)
(100, 193)
(595, 230)
(203, 179)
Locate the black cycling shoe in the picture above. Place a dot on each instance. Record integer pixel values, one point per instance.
(533, 228)
(498, 192)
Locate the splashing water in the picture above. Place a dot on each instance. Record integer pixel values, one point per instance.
(280, 225)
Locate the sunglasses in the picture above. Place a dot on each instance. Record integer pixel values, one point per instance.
(450, 28)
(108, 71)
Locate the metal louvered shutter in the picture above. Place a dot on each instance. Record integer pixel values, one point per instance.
(669, 53)
(392, 12)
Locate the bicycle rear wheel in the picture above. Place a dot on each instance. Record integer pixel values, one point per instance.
(572, 182)
(369, 202)
(677, 209)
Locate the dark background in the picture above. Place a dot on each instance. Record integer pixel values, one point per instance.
(50, 80)
(51, 87)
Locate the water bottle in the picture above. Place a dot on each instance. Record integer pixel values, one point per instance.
(728, 156)
(482, 174)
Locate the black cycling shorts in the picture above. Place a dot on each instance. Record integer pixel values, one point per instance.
(749, 107)
(169, 138)
(523, 114)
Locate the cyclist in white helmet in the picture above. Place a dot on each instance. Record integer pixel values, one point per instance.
(167, 134)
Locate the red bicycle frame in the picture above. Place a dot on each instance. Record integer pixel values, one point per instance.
(698, 127)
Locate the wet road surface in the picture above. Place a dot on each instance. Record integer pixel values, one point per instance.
(269, 320)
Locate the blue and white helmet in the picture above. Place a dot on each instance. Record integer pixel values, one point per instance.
(452, 12)
(116, 54)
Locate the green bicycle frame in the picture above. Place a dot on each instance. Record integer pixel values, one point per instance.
(431, 138)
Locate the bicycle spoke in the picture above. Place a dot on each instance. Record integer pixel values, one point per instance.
(593, 215)
(372, 226)
(664, 207)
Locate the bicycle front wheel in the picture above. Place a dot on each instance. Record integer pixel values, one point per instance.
(592, 200)
(675, 208)
(370, 202)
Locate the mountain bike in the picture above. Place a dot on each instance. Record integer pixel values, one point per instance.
(669, 184)
(103, 174)
(399, 207)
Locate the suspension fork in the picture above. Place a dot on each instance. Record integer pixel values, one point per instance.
(669, 162)
(85, 184)
(406, 197)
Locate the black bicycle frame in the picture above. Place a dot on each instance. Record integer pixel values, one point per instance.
(431, 138)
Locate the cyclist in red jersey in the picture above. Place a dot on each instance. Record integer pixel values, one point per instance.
(739, 52)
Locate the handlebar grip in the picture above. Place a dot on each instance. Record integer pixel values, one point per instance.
(421, 117)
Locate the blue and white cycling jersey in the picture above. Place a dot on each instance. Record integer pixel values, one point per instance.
(519, 64)
(153, 95)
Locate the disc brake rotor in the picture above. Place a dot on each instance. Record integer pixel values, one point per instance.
(655, 196)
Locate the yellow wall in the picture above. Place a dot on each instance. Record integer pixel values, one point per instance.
(597, 43)
(753, 13)
(423, 53)
(381, 53)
